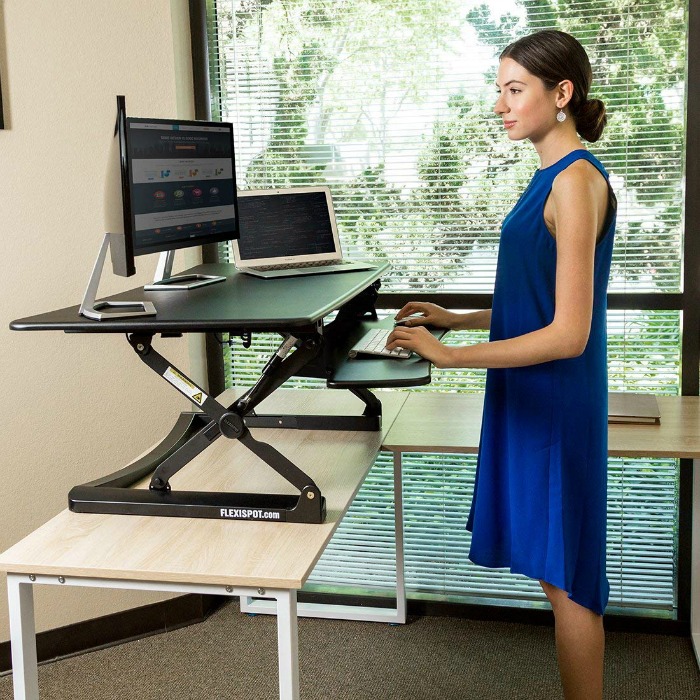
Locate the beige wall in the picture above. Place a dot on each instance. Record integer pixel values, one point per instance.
(74, 407)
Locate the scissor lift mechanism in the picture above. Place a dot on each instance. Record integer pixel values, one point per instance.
(195, 431)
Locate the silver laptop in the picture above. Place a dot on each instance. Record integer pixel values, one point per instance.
(289, 232)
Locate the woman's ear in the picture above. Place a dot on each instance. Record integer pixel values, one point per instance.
(565, 91)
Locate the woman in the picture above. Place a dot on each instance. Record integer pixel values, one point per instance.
(539, 505)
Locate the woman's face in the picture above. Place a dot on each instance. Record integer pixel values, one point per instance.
(527, 108)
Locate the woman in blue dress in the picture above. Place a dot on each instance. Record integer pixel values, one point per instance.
(539, 505)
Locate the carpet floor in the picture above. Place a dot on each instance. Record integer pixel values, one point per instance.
(234, 657)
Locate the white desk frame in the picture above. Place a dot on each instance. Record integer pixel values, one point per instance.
(23, 632)
(456, 425)
(42, 558)
(331, 611)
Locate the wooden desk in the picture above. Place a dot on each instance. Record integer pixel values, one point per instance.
(452, 423)
(183, 555)
(433, 422)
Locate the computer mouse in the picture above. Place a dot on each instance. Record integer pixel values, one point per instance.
(402, 322)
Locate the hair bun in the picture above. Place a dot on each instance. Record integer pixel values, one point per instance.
(591, 118)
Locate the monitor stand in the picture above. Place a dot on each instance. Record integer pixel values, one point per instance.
(102, 310)
(163, 281)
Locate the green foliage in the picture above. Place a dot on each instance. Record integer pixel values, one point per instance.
(315, 51)
(642, 129)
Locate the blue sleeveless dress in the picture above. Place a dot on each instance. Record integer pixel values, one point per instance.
(539, 504)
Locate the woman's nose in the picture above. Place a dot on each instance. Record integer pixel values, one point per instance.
(499, 107)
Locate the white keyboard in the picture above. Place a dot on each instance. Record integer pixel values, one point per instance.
(374, 343)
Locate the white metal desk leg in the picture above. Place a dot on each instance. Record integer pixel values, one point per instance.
(287, 643)
(398, 533)
(22, 638)
(695, 564)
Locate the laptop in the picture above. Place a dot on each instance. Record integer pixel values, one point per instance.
(289, 232)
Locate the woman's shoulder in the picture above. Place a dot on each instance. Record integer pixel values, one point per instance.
(582, 173)
(582, 188)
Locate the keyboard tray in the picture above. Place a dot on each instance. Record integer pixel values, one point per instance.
(371, 371)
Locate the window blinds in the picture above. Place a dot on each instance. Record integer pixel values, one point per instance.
(390, 103)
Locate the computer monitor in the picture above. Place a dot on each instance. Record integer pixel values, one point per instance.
(171, 184)
(180, 186)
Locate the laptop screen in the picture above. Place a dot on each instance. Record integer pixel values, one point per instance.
(278, 225)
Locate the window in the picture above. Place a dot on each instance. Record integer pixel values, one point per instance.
(390, 103)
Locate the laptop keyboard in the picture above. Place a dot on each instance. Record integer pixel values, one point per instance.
(374, 343)
(299, 265)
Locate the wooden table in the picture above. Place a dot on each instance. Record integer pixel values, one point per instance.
(434, 422)
(222, 557)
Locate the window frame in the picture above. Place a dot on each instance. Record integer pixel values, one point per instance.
(687, 302)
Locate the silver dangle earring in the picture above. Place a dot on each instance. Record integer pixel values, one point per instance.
(561, 116)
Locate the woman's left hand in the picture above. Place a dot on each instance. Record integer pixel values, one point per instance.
(420, 340)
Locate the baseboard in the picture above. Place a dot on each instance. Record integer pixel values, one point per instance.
(616, 619)
(117, 628)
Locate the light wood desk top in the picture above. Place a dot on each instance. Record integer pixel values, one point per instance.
(433, 422)
(227, 552)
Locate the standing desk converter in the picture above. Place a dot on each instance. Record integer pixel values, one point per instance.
(296, 308)
(216, 553)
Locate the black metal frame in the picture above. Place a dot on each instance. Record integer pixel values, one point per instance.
(687, 302)
(316, 348)
(195, 432)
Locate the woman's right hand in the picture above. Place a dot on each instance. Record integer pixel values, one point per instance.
(432, 315)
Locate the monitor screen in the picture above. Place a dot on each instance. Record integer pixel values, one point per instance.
(182, 186)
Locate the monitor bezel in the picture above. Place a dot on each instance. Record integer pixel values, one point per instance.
(121, 248)
(132, 250)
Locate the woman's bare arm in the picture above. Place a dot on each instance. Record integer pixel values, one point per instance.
(576, 194)
(434, 315)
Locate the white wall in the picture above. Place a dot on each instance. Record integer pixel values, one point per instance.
(74, 407)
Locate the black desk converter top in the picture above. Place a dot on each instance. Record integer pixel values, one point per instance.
(242, 302)
(247, 303)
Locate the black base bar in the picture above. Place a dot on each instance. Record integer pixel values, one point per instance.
(371, 418)
(113, 494)
(199, 504)
(354, 423)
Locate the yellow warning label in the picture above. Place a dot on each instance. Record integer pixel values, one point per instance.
(182, 378)
(180, 382)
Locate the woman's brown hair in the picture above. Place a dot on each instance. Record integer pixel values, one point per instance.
(554, 56)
